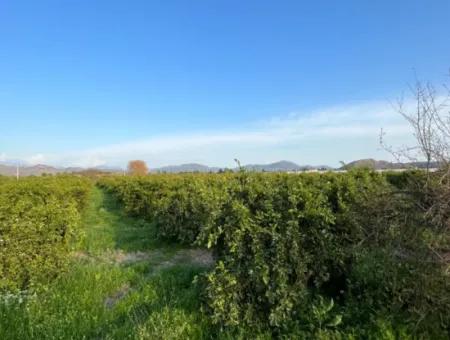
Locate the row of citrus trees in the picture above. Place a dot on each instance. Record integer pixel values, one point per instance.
(300, 252)
(39, 223)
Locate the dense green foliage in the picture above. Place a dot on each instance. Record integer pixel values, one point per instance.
(180, 205)
(340, 256)
(38, 225)
(312, 253)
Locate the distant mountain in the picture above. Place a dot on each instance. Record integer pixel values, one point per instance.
(7, 169)
(39, 169)
(274, 167)
(367, 163)
(283, 166)
(385, 165)
(36, 170)
(106, 168)
(73, 169)
(190, 167)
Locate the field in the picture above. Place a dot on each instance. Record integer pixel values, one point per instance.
(208, 256)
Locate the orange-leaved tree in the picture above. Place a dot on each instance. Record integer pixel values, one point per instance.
(137, 167)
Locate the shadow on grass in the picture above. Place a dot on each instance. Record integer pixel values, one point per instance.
(130, 233)
(108, 226)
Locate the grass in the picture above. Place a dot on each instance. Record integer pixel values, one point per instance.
(108, 227)
(101, 299)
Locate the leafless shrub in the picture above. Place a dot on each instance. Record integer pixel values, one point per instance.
(429, 119)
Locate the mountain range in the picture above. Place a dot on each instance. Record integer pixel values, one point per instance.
(281, 166)
(9, 169)
(189, 167)
(385, 165)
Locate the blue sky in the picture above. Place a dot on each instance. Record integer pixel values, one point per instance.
(100, 82)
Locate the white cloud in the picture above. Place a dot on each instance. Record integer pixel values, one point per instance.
(323, 136)
(36, 159)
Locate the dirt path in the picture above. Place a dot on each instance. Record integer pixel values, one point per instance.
(113, 238)
(123, 283)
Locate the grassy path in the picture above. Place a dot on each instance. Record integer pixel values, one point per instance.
(123, 284)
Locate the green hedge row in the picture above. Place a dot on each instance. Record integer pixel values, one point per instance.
(290, 246)
(179, 205)
(39, 217)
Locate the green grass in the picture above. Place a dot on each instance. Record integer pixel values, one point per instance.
(164, 305)
(74, 307)
(108, 227)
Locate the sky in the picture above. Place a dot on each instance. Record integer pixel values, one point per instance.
(91, 83)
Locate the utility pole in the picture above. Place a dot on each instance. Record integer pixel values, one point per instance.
(17, 171)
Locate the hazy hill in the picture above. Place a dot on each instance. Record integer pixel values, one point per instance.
(40, 169)
(281, 166)
(9, 169)
(384, 165)
(368, 163)
(277, 166)
(190, 167)
(36, 170)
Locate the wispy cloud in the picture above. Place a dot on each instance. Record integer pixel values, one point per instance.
(36, 159)
(322, 136)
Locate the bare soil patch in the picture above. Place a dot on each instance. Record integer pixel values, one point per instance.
(112, 300)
